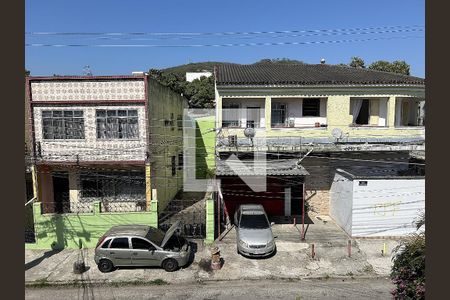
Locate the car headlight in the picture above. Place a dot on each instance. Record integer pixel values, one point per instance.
(243, 244)
(270, 244)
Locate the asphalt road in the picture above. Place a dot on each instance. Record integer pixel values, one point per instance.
(261, 289)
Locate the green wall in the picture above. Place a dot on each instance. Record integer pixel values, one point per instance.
(205, 147)
(60, 231)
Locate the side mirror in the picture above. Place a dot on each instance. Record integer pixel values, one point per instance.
(272, 223)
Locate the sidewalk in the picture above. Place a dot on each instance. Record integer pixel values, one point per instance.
(292, 261)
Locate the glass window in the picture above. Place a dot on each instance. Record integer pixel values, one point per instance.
(254, 222)
(141, 244)
(278, 114)
(59, 124)
(117, 124)
(311, 107)
(230, 115)
(105, 244)
(120, 243)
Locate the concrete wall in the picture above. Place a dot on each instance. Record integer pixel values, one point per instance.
(88, 90)
(387, 207)
(91, 148)
(341, 202)
(165, 140)
(57, 231)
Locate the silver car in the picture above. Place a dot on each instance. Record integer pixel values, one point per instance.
(141, 245)
(254, 235)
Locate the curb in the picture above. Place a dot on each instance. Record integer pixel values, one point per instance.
(82, 283)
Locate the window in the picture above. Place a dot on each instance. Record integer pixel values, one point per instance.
(118, 185)
(363, 116)
(141, 244)
(180, 122)
(180, 161)
(172, 121)
(62, 124)
(278, 114)
(174, 166)
(311, 107)
(230, 115)
(117, 124)
(253, 117)
(120, 243)
(105, 244)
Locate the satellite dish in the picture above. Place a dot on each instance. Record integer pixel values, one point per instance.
(249, 132)
(337, 133)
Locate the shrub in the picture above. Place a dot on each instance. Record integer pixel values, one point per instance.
(408, 271)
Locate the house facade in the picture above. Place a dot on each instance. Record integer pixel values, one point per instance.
(321, 116)
(109, 140)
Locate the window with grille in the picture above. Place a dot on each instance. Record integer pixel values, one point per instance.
(117, 124)
(278, 114)
(114, 185)
(62, 124)
(311, 107)
(230, 115)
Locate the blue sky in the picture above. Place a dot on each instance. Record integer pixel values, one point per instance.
(125, 16)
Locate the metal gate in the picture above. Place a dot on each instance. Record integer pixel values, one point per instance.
(191, 214)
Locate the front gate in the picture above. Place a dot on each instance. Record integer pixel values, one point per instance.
(191, 214)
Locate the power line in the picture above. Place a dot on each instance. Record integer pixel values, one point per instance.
(220, 33)
(220, 45)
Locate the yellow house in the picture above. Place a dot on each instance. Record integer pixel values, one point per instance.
(344, 115)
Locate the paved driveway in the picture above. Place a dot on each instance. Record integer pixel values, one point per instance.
(292, 260)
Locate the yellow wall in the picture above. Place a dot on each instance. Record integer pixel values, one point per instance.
(338, 116)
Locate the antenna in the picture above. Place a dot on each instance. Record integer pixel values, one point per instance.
(249, 132)
(87, 71)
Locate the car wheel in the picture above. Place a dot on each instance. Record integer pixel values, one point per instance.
(170, 265)
(105, 266)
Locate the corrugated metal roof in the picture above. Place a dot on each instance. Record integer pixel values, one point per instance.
(307, 74)
(282, 167)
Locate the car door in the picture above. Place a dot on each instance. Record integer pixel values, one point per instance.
(144, 253)
(119, 251)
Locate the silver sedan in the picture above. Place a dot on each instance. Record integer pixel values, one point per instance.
(254, 235)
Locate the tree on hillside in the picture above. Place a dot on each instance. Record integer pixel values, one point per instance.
(200, 92)
(357, 62)
(283, 60)
(27, 73)
(397, 66)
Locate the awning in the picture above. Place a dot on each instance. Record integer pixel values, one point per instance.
(281, 167)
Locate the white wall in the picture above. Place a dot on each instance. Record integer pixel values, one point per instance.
(387, 207)
(341, 202)
(191, 76)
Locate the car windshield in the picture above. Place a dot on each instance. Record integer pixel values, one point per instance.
(155, 235)
(254, 222)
